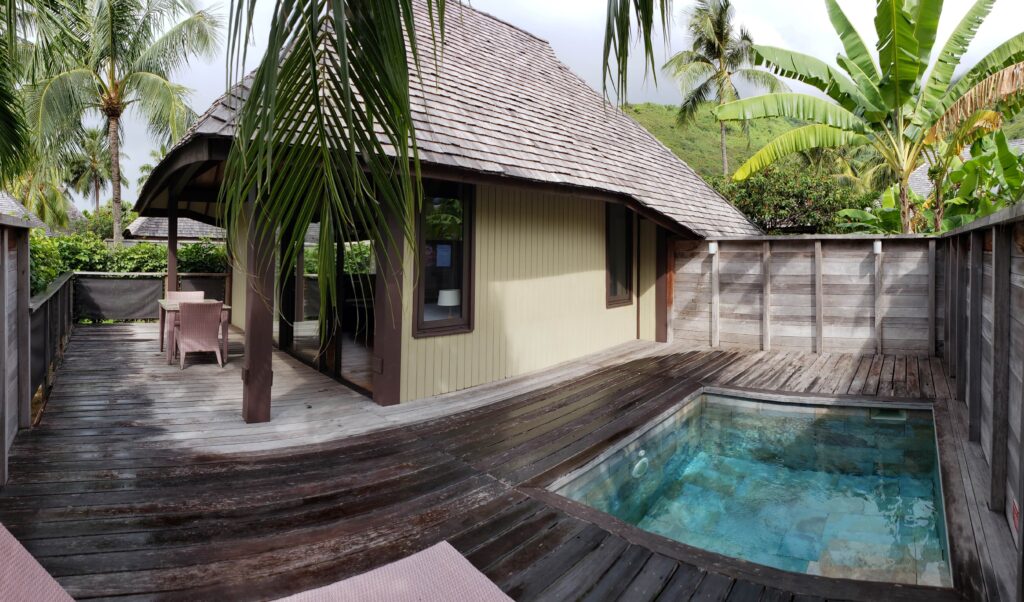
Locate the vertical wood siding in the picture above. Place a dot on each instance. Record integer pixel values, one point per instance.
(647, 277)
(540, 295)
(847, 295)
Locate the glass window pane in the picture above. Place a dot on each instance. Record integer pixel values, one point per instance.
(443, 257)
(620, 253)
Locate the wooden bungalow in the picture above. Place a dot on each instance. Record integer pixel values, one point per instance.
(567, 209)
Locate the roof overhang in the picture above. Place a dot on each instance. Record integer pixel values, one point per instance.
(190, 173)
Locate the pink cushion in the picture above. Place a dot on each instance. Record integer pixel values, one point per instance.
(438, 574)
(22, 579)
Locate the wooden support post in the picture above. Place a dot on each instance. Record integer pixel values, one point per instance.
(286, 314)
(300, 284)
(947, 266)
(819, 301)
(335, 340)
(879, 282)
(1002, 239)
(952, 306)
(387, 310)
(766, 296)
(24, 334)
(715, 302)
(172, 242)
(961, 319)
(931, 298)
(4, 417)
(257, 374)
(977, 270)
(661, 294)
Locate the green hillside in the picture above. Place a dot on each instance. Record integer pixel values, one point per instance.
(1014, 130)
(698, 143)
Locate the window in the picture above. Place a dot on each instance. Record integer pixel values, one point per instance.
(444, 287)
(619, 255)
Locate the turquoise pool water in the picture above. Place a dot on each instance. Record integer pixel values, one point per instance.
(840, 492)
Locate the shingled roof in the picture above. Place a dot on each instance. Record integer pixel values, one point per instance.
(10, 206)
(499, 102)
(155, 228)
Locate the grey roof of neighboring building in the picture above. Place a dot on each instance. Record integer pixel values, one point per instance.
(155, 228)
(499, 102)
(920, 183)
(10, 206)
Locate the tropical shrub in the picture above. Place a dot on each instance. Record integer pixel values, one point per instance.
(101, 223)
(83, 252)
(358, 258)
(45, 264)
(881, 216)
(203, 256)
(143, 257)
(789, 200)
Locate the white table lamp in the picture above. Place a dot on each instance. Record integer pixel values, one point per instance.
(448, 297)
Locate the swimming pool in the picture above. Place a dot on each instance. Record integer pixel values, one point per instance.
(836, 491)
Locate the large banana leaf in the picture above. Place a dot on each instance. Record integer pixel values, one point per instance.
(898, 53)
(1009, 52)
(874, 110)
(856, 50)
(952, 52)
(803, 107)
(796, 140)
(811, 71)
(926, 23)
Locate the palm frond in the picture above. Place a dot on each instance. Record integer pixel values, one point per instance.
(618, 36)
(812, 71)
(198, 35)
(163, 103)
(762, 80)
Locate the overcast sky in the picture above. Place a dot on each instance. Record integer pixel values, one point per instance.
(575, 28)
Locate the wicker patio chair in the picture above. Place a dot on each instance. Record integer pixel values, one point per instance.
(171, 323)
(199, 329)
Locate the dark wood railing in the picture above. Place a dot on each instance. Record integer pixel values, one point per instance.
(50, 316)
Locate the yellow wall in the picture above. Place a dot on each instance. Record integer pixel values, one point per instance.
(647, 277)
(540, 295)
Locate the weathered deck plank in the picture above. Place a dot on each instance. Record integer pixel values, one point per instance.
(142, 481)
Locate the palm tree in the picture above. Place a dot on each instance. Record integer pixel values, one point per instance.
(133, 49)
(40, 188)
(718, 56)
(89, 165)
(886, 104)
(155, 155)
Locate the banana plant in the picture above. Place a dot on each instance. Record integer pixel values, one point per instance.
(882, 218)
(991, 180)
(889, 100)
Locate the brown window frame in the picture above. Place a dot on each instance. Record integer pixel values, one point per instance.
(626, 299)
(463, 324)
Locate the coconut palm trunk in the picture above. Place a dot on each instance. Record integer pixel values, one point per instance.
(725, 155)
(96, 194)
(115, 173)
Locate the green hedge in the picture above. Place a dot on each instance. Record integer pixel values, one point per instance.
(86, 252)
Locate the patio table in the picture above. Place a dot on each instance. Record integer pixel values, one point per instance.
(170, 307)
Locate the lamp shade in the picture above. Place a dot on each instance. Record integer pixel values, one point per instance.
(448, 297)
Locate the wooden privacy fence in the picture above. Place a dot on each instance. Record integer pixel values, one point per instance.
(847, 294)
(986, 346)
(50, 319)
(15, 395)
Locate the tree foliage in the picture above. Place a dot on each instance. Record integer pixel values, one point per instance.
(789, 200)
(45, 264)
(890, 101)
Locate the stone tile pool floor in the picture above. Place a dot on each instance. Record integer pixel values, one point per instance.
(839, 492)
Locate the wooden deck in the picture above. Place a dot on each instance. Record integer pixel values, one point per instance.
(142, 482)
